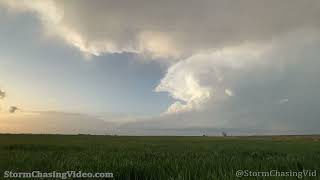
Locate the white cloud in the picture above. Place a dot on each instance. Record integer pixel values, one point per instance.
(199, 78)
(183, 86)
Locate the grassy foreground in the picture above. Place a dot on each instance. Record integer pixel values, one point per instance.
(160, 157)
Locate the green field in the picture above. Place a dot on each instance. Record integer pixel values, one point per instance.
(160, 157)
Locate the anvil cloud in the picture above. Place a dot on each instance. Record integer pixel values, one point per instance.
(225, 59)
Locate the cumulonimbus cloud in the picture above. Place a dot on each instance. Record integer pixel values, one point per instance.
(275, 90)
(201, 77)
(207, 38)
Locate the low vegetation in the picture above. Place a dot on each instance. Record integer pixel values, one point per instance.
(159, 157)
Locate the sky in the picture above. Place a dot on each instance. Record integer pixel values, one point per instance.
(177, 67)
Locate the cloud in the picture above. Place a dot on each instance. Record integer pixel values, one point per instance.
(48, 122)
(183, 86)
(201, 77)
(205, 38)
(172, 29)
(230, 60)
(261, 81)
(2, 94)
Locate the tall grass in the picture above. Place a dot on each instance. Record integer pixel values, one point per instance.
(157, 157)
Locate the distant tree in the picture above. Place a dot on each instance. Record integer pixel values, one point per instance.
(2, 94)
(13, 109)
(224, 134)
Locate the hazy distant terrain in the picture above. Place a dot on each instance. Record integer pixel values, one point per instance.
(159, 157)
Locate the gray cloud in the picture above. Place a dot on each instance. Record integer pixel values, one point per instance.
(169, 28)
(191, 25)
